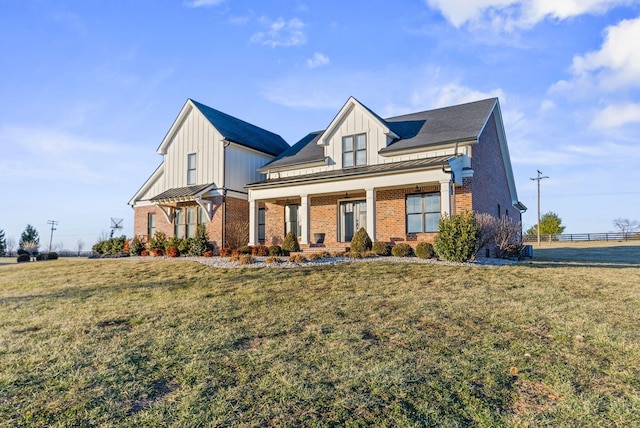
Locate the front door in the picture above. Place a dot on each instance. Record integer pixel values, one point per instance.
(353, 216)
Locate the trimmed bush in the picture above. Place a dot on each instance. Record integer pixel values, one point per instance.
(272, 260)
(225, 252)
(136, 247)
(158, 252)
(457, 237)
(360, 241)
(275, 250)
(200, 244)
(144, 253)
(381, 249)
(245, 249)
(246, 259)
(260, 250)
(402, 250)
(24, 258)
(290, 243)
(158, 241)
(173, 251)
(353, 255)
(208, 253)
(425, 250)
(297, 258)
(52, 256)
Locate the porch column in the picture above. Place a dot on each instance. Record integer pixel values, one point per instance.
(304, 218)
(253, 222)
(445, 197)
(371, 214)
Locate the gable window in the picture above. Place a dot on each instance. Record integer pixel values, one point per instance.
(292, 220)
(151, 225)
(191, 169)
(354, 150)
(261, 224)
(423, 212)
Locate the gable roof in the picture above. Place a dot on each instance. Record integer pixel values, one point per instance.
(232, 129)
(461, 122)
(304, 151)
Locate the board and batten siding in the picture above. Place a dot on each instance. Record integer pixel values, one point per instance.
(194, 135)
(243, 165)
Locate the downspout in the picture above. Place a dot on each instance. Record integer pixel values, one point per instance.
(452, 191)
(225, 144)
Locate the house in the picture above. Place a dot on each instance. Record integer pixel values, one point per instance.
(395, 177)
(208, 159)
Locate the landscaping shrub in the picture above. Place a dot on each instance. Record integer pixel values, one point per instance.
(22, 252)
(225, 252)
(246, 259)
(508, 238)
(41, 257)
(245, 249)
(381, 249)
(314, 256)
(297, 258)
(275, 250)
(136, 247)
(290, 243)
(144, 253)
(457, 237)
(234, 258)
(52, 256)
(158, 241)
(425, 250)
(360, 241)
(402, 250)
(200, 244)
(272, 260)
(158, 252)
(260, 250)
(173, 251)
(338, 254)
(110, 246)
(24, 258)
(353, 255)
(208, 253)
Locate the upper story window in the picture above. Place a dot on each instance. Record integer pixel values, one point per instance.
(191, 169)
(354, 150)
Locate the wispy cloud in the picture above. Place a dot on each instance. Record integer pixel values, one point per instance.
(281, 33)
(508, 15)
(318, 60)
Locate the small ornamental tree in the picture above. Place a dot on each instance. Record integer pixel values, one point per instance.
(457, 237)
(290, 243)
(3, 243)
(200, 243)
(30, 234)
(550, 224)
(137, 246)
(158, 241)
(361, 241)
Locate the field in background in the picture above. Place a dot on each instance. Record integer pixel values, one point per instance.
(552, 341)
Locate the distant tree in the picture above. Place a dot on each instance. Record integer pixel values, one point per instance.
(30, 234)
(80, 246)
(11, 244)
(3, 243)
(550, 224)
(626, 227)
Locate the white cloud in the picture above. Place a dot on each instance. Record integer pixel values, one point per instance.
(546, 105)
(281, 33)
(509, 14)
(617, 63)
(318, 60)
(205, 3)
(617, 115)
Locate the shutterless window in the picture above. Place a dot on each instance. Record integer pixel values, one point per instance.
(178, 224)
(191, 169)
(261, 224)
(291, 220)
(151, 224)
(191, 222)
(423, 212)
(354, 150)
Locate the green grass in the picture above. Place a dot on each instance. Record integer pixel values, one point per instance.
(158, 342)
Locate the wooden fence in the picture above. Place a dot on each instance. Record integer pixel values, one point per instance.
(584, 237)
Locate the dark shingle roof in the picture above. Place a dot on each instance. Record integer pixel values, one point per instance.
(243, 133)
(304, 151)
(443, 125)
(416, 130)
(181, 192)
(342, 174)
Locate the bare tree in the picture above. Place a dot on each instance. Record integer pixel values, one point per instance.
(80, 245)
(237, 234)
(487, 225)
(11, 245)
(508, 238)
(627, 227)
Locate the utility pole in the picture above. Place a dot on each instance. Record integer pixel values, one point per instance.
(53, 224)
(538, 179)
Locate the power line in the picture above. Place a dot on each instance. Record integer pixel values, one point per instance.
(53, 224)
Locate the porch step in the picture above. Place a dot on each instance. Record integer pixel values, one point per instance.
(318, 248)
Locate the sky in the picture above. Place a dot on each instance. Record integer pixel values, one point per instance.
(88, 90)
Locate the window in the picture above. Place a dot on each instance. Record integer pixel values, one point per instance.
(354, 150)
(423, 212)
(203, 217)
(178, 225)
(291, 220)
(191, 169)
(261, 224)
(191, 222)
(151, 224)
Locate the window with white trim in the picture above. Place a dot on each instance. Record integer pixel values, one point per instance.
(423, 212)
(292, 220)
(151, 225)
(261, 224)
(354, 150)
(191, 169)
(178, 223)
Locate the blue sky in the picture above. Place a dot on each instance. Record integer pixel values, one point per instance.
(88, 90)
